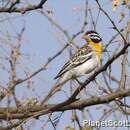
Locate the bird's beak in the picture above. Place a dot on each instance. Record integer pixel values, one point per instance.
(84, 37)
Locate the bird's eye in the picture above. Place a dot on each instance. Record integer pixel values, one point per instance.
(95, 37)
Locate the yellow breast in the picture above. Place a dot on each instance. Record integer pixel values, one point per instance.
(98, 48)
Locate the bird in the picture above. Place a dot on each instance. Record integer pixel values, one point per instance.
(82, 62)
(85, 60)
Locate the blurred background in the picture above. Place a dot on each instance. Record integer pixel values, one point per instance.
(36, 43)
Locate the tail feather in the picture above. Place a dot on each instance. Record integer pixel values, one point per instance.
(56, 77)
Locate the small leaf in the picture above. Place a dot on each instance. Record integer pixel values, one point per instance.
(122, 15)
(125, 2)
(115, 3)
(68, 127)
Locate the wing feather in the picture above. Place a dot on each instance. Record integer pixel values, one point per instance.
(81, 56)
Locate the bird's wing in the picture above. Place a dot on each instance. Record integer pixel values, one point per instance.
(82, 55)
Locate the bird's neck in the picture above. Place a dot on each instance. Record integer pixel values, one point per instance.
(98, 48)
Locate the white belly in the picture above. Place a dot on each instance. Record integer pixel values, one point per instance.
(83, 69)
(86, 67)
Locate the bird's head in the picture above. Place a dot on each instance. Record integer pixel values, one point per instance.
(92, 37)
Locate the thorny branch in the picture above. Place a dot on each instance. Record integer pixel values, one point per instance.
(39, 110)
(14, 9)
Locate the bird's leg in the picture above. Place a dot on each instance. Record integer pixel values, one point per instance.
(75, 78)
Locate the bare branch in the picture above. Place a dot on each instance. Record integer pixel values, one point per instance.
(22, 10)
(38, 110)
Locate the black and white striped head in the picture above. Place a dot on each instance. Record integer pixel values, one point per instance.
(92, 36)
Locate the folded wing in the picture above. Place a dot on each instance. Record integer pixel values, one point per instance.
(80, 57)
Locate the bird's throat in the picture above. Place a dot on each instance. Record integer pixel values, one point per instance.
(98, 48)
